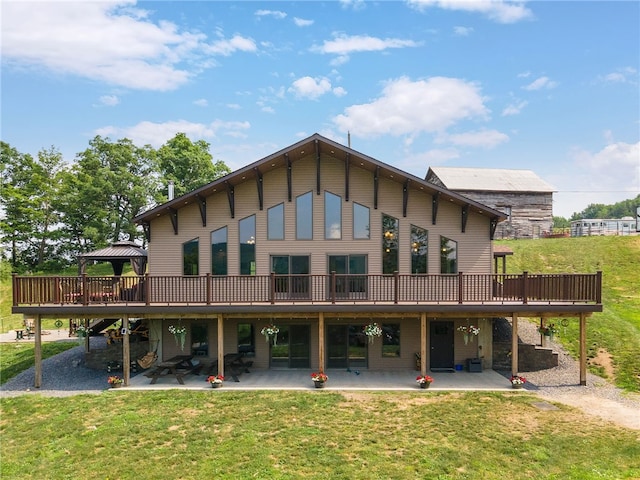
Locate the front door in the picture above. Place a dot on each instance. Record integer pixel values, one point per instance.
(346, 346)
(441, 348)
(292, 347)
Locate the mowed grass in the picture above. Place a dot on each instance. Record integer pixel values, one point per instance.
(615, 331)
(17, 357)
(303, 435)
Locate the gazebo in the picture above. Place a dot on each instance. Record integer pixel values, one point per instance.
(118, 254)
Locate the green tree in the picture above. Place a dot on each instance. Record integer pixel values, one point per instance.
(187, 164)
(29, 189)
(110, 184)
(625, 208)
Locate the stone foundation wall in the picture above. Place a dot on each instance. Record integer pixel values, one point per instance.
(101, 358)
(531, 358)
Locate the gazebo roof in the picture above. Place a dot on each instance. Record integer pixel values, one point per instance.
(118, 254)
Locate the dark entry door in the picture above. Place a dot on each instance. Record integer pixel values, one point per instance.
(441, 348)
(292, 347)
(346, 346)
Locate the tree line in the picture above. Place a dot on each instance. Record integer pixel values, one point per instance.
(625, 208)
(52, 210)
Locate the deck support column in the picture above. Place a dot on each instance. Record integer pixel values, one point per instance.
(321, 342)
(583, 349)
(514, 344)
(37, 352)
(220, 345)
(423, 343)
(126, 351)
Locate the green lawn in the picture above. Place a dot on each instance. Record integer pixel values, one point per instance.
(617, 328)
(17, 357)
(291, 435)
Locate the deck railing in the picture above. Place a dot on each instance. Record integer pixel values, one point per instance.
(332, 288)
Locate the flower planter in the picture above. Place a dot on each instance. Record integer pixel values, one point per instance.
(216, 385)
(517, 386)
(116, 385)
(425, 385)
(319, 384)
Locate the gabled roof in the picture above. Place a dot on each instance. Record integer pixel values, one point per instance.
(489, 179)
(315, 145)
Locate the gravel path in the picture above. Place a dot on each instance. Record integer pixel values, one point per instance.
(64, 375)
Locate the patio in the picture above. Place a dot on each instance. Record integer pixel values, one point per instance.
(339, 380)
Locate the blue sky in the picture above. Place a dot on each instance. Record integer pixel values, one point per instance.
(547, 86)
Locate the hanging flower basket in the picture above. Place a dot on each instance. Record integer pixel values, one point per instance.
(270, 332)
(468, 332)
(372, 330)
(180, 334)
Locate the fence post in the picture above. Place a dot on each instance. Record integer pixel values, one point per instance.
(333, 287)
(85, 290)
(460, 287)
(147, 289)
(396, 286)
(14, 282)
(208, 288)
(599, 286)
(272, 287)
(525, 276)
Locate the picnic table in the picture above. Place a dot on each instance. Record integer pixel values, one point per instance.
(177, 367)
(234, 366)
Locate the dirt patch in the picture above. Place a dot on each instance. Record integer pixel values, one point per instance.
(604, 360)
(610, 410)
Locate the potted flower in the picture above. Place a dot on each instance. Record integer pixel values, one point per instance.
(372, 330)
(319, 379)
(215, 380)
(270, 331)
(468, 331)
(424, 380)
(115, 381)
(517, 381)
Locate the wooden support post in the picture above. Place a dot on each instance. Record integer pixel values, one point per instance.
(514, 344)
(37, 353)
(126, 352)
(423, 343)
(583, 349)
(85, 339)
(321, 342)
(220, 345)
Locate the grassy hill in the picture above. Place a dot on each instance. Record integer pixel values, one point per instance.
(615, 331)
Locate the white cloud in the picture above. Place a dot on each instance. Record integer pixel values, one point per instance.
(621, 75)
(339, 92)
(500, 11)
(109, 100)
(482, 138)
(228, 46)
(110, 41)
(345, 44)
(301, 22)
(463, 31)
(514, 108)
(607, 176)
(156, 134)
(201, 102)
(308, 87)
(406, 107)
(541, 83)
(271, 13)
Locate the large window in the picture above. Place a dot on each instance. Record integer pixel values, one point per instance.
(389, 244)
(419, 244)
(304, 216)
(275, 222)
(248, 245)
(219, 251)
(361, 222)
(190, 257)
(199, 339)
(292, 274)
(448, 255)
(332, 216)
(390, 339)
